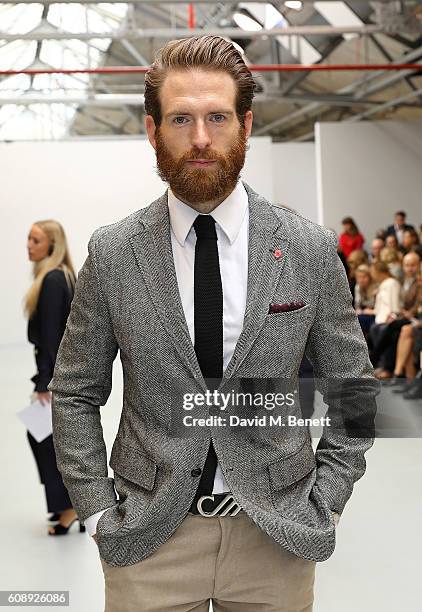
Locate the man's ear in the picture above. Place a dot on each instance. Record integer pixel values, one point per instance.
(150, 128)
(248, 123)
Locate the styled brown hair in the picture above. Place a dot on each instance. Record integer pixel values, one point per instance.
(207, 52)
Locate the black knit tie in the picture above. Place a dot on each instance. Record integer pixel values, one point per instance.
(208, 321)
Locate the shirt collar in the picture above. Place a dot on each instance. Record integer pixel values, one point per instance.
(229, 214)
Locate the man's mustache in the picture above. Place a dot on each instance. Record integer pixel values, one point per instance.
(200, 155)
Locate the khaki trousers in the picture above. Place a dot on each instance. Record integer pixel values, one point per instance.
(228, 560)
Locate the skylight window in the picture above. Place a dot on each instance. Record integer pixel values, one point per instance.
(50, 120)
(338, 14)
(297, 46)
(246, 23)
(295, 5)
(17, 54)
(101, 17)
(273, 18)
(19, 18)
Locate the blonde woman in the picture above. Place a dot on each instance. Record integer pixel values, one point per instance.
(365, 290)
(355, 259)
(393, 259)
(47, 305)
(364, 297)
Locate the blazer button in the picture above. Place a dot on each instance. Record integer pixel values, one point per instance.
(196, 472)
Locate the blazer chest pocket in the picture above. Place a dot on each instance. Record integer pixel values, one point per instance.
(291, 481)
(133, 465)
(290, 314)
(291, 326)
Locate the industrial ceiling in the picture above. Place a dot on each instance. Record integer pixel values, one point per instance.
(77, 69)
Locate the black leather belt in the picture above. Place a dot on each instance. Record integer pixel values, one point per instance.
(218, 504)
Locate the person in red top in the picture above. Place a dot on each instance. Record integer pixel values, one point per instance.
(350, 239)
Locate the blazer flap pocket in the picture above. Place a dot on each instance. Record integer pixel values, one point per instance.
(133, 464)
(289, 470)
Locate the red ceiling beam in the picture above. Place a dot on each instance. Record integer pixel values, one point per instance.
(253, 68)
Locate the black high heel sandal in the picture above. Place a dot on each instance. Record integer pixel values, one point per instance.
(60, 529)
(53, 518)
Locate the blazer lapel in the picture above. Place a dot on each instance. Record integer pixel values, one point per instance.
(154, 256)
(267, 235)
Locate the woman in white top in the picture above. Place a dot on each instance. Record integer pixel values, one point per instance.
(387, 306)
(387, 299)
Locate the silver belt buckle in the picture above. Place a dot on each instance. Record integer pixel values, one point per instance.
(216, 512)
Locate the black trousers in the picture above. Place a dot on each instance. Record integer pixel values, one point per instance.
(56, 493)
(384, 341)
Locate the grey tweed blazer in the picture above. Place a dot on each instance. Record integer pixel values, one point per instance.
(127, 300)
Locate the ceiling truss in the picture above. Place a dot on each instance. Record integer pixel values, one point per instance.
(286, 105)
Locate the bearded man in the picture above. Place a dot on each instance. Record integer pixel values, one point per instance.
(208, 285)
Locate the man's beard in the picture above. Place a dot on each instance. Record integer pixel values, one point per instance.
(199, 185)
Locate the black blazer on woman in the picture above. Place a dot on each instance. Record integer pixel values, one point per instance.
(47, 325)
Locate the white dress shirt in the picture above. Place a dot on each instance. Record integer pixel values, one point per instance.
(399, 233)
(232, 227)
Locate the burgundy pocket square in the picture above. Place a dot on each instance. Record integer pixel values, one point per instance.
(285, 307)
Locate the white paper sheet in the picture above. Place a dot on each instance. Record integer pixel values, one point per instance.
(37, 419)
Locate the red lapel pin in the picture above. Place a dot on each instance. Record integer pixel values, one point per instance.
(277, 253)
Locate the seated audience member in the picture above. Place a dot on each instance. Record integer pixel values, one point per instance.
(410, 296)
(399, 226)
(364, 298)
(350, 239)
(355, 259)
(387, 301)
(392, 258)
(391, 242)
(405, 369)
(413, 390)
(376, 247)
(410, 241)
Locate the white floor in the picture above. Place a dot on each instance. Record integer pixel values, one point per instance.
(376, 566)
